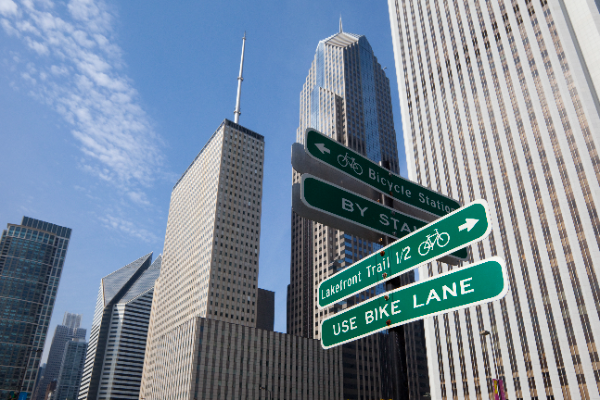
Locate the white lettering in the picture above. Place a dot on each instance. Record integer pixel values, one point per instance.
(383, 219)
(371, 174)
(464, 285)
(345, 327)
(362, 210)
(338, 329)
(446, 289)
(395, 306)
(347, 205)
(382, 310)
(415, 302)
(352, 323)
(368, 317)
(432, 295)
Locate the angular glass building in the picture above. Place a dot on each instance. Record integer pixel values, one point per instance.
(115, 354)
(32, 256)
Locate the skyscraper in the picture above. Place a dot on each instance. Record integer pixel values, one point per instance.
(71, 369)
(496, 104)
(115, 354)
(32, 256)
(68, 330)
(346, 96)
(203, 341)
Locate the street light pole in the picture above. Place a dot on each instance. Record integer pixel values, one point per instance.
(483, 334)
(268, 391)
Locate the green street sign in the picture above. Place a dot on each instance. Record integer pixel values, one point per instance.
(341, 203)
(457, 230)
(357, 166)
(464, 287)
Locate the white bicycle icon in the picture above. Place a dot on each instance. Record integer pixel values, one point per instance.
(441, 239)
(346, 161)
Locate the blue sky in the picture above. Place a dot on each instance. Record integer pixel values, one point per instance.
(103, 104)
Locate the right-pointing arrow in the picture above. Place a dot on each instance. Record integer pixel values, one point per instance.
(468, 225)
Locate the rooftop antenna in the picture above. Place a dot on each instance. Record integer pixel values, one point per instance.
(237, 111)
(341, 29)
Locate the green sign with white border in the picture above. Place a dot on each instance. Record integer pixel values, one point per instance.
(464, 287)
(457, 230)
(361, 168)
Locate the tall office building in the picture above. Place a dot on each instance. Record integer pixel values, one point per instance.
(115, 354)
(346, 96)
(203, 341)
(71, 370)
(496, 104)
(63, 333)
(31, 260)
(265, 309)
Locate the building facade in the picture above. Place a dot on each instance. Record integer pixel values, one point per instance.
(497, 104)
(63, 333)
(346, 96)
(32, 256)
(71, 369)
(205, 342)
(115, 354)
(265, 309)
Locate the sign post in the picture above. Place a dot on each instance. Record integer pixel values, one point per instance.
(464, 287)
(464, 226)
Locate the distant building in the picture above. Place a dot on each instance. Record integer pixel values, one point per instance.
(67, 331)
(71, 369)
(265, 309)
(32, 256)
(115, 354)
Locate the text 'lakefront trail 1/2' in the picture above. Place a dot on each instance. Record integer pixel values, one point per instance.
(464, 287)
(457, 230)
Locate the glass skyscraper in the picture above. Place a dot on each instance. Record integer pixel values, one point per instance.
(498, 102)
(346, 96)
(32, 255)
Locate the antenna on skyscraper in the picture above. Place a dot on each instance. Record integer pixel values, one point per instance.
(237, 111)
(341, 29)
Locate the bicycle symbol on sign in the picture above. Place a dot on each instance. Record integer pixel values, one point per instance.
(441, 239)
(346, 161)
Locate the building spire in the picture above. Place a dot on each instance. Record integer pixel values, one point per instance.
(341, 29)
(237, 111)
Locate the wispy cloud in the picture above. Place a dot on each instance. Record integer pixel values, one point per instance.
(129, 228)
(73, 65)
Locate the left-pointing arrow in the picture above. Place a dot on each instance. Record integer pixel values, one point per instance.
(322, 148)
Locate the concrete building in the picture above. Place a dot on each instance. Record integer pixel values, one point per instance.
(71, 369)
(32, 256)
(265, 309)
(497, 104)
(115, 355)
(204, 342)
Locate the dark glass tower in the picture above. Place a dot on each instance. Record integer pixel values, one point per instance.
(346, 96)
(31, 260)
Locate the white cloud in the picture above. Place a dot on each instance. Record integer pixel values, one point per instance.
(78, 66)
(8, 7)
(129, 228)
